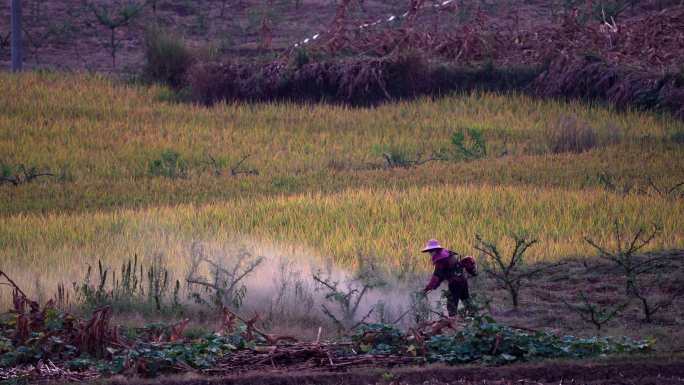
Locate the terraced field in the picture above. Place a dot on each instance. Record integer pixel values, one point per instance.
(314, 176)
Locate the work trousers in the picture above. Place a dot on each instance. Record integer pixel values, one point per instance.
(458, 291)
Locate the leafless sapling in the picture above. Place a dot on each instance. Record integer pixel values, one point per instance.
(293, 295)
(224, 288)
(624, 256)
(113, 18)
(347, 296)
(510, 273)
(593, 313)
(634, 267)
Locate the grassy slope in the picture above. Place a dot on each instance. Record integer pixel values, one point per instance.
(321, 184)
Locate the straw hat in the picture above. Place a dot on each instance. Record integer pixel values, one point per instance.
(432, 244)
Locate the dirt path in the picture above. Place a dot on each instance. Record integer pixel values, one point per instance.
(642, 371)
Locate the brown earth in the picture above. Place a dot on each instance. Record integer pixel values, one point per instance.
(65, 34)
(543, 298)
(632, 371)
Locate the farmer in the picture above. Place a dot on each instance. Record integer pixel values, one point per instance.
(449, 266)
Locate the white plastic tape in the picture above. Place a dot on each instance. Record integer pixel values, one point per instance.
(366, 25)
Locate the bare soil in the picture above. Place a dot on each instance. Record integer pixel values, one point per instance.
(643, 371)
(64, 34)
(543, 308)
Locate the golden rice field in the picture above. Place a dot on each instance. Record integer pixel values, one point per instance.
(322, 185)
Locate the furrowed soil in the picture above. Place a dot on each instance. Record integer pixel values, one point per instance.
(643, 371)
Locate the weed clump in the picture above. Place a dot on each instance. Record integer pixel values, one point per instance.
(394, 155)
(169, 164)
(137, 287)
(484, 340)
(469, 144)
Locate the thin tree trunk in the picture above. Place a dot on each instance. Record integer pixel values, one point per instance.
(16, 36)
(111, 42)
(647, 310)
(514, 296)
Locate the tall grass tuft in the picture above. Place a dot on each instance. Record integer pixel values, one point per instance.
(137, 287)
(571, 135)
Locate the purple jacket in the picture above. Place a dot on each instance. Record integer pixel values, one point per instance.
(447, 268)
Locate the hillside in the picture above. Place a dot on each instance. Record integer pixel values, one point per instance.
(63, 34)
(233, 191)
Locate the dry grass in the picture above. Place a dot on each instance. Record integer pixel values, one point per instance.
(321, 185)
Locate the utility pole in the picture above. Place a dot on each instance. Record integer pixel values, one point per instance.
(16, 35)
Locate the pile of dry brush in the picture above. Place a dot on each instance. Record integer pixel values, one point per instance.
(631, 63)
(648, 39)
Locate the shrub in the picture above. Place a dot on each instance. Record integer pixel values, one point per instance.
(211, 82)
(167, 59)
(170, 164)
(407, 75)
(5, 170)
(570, 135)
